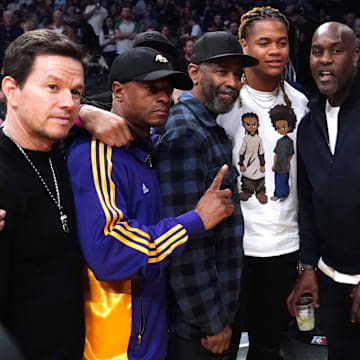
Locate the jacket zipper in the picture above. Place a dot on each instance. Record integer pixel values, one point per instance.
(142, 322)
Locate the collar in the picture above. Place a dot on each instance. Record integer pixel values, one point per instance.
(200, 112)
(142, 150)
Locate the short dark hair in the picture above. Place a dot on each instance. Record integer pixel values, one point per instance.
(250, 115)
(21, 53)
(283, 112)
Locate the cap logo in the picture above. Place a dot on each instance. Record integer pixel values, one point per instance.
(161, 59)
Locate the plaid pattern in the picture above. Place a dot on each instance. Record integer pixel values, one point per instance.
(205, 279)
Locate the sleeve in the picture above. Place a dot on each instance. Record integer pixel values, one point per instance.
(291, 147)
(183, 174)
(309, 247)
(115, 245)
(102, 42)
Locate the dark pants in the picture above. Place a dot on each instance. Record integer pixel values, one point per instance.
(343, 337)
(253, 186)
(266, 282)
(182, 349)
(281, 185)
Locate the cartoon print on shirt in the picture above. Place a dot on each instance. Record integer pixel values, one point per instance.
(283, 119)
(252, 161)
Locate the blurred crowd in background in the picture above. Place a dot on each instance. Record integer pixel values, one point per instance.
(107, 27)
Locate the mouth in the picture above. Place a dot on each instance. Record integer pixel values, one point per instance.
(162, 112)
(325, 75)
(276, 63)
(62, 119)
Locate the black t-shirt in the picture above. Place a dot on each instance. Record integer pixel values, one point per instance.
(40, 265)
(283, 149)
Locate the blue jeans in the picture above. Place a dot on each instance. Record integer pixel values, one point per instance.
(281, 185)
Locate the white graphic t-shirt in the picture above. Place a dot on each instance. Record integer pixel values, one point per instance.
(271, 228)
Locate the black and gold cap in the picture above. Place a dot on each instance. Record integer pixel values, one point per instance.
(146, 64)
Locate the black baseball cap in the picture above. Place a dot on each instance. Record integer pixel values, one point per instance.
(146, 64)
(156, 40)
(219, 44)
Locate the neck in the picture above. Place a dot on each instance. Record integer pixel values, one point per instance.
(24, 138)
(261, 83)
(339, 98)
(138, 131)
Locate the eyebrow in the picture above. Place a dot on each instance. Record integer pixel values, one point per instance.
(56, 78)
(268, 38)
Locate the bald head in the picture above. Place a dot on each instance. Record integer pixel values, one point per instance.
(337, 29)
(333, 60)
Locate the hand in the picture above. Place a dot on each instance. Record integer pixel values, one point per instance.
(215, 205)
(355, 309)
(306, 283)
(273, 168)
(219, 342)
(132, 36)
(105, 126)
(242, 168)
(2, 219)
(262, 169)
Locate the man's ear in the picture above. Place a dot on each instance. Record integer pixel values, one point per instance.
(356, 55)
(244, 46)
(10, 89)
(194, 73)
(118, 90)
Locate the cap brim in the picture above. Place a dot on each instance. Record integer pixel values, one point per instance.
(245, 60)
(178, 79)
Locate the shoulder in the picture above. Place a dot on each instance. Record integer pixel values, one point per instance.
(295, 95)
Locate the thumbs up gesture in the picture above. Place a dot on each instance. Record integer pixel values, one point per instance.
(215, 205)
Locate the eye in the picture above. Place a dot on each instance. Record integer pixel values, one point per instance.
(76, 93)
(52, 86)
(336, 51)
(315, 52)
(221, 72)
(284, 43)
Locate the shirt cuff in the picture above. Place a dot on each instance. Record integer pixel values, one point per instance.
(192, 223)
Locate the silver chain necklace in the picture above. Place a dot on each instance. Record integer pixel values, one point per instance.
(57, 202)
(257, 101)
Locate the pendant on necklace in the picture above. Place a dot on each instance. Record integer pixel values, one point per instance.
(64, 222)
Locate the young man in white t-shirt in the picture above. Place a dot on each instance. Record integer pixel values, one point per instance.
(271, 239)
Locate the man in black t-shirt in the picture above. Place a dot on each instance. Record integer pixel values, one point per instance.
(40, 288)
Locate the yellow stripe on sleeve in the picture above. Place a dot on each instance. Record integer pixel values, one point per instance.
(169, 251)
(97, 185)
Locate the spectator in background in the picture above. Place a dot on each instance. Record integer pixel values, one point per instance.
(95, 15)
(107, 41)
(84, 32)
(9, 31)
(183, 60)
(217, 23)
(60, 27)
(233, 29)
(125, 30)
(194, 22)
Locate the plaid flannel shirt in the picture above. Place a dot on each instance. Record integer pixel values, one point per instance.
(205, 279)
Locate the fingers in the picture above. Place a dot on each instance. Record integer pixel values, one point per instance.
(355, 308)
(215, 185)
(2, 219)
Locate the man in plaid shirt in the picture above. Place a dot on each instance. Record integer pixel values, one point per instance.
(205, 280)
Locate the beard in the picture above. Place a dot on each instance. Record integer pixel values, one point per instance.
(212, 97)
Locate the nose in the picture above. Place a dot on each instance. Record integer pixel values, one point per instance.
(325, 58)
(233, 80)
(66, 100)
(164, 96)
(274, 48)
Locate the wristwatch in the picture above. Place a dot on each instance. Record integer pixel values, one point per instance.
(303, 267)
